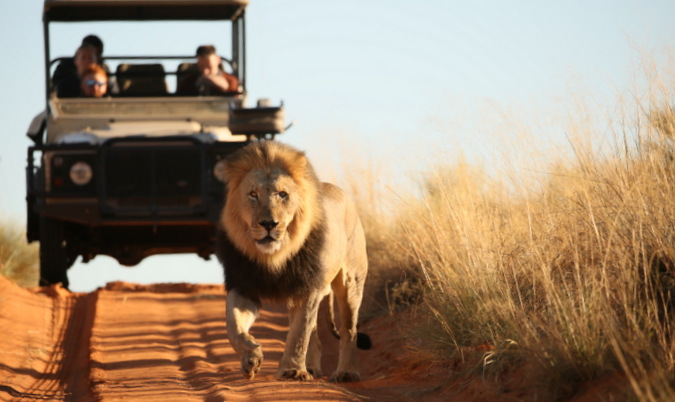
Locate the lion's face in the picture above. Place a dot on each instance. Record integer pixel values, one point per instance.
(272, 202)
(269, 206)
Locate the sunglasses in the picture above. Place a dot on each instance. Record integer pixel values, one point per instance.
(91, 83)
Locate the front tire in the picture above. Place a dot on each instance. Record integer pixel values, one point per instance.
(55, 256)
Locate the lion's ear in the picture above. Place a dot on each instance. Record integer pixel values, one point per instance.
(297, 166)
(235, 171)
(301, 161)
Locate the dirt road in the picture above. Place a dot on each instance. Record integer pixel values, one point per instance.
(166, 343)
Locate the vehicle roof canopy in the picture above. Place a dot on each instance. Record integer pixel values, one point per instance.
(140, 10)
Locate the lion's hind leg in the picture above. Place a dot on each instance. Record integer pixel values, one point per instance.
(241, 314)
(314, 355)
(348, 292)
(325, 317)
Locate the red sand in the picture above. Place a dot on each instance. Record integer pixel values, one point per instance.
(168, 342)
(163, 342)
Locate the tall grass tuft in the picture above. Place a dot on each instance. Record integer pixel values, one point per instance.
(18, 260)
(392, 282)
(571, 273)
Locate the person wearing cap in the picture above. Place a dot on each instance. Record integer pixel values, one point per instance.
(66, 66)
(94, 83)
(210, 79)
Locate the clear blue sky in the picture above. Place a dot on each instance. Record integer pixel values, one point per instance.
(392, 83)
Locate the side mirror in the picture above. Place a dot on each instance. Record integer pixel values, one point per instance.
(37, 127)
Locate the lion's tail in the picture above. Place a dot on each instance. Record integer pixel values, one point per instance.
(363, 341)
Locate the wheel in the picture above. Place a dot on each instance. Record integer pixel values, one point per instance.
(55, 256)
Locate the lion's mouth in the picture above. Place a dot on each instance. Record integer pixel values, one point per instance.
(266, 240)
(268, 244)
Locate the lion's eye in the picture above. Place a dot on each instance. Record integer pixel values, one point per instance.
(283, 194)
(253, 195)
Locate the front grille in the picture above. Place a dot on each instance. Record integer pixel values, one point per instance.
(147, 178)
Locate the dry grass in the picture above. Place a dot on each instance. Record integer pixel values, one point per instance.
(571, 272)
(19, 260)
(392, 277)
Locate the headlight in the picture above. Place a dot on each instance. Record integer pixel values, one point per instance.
(80, 173)
(219, 170)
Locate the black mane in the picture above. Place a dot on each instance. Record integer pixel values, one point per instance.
(296, 279)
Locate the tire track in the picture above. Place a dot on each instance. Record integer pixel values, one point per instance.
(45, 352)
(76, 349)
(27, 323)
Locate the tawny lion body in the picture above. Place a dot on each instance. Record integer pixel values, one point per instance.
(287, 237)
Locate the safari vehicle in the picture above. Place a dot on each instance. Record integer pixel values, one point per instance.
(139, 172)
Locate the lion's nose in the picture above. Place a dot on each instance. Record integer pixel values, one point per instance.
(269, 225)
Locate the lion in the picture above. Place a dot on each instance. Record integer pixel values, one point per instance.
(285, 236)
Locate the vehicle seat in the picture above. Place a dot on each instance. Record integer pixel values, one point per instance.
(141, 80)
(185, 69)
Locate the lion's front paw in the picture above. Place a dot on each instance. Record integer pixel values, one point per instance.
(294, 374)
(345, 376)
(251, 362)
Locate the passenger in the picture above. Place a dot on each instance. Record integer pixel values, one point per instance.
(69, 86)
(66, 67)
(211, 79)
(94, 82)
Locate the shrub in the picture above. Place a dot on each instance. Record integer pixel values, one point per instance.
(19, 260)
